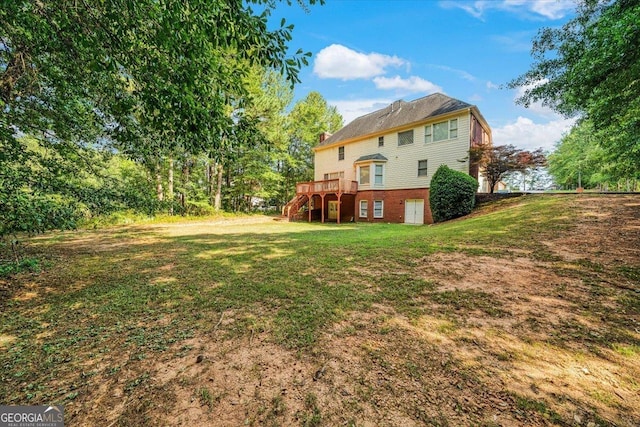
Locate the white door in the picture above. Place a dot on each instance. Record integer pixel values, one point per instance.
(414, 211)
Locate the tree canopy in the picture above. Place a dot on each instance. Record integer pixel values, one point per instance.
(579, 160)
(590, 67)
(167, 83)
(309, 117)
(120, 64)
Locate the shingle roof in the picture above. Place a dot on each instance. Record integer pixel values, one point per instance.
(376, 156)
(397, 114)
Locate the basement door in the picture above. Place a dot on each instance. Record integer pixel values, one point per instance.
(333, 209)
(414, 211)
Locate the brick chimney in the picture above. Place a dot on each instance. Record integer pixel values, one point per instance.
(324, 136)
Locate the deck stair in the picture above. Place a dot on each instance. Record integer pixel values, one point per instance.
(291, 209)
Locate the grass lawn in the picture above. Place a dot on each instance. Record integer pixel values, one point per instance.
(525, 313)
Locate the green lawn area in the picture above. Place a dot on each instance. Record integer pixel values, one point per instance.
(113, 305)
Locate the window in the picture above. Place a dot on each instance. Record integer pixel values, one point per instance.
(378, 208)
(453, 128)
(363, 208)
(405, 138)
(340, 153)
(440, 131)
(377, 176)
(427, 133)
(381, 141)
(334, 175)
(422, 168)
(364, 175)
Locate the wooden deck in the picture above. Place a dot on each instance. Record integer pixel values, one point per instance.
(305, 191)
(336, 186)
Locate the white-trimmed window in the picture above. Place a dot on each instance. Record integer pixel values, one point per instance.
(453, 128)
(364, 209)
(365, 172)
(441, 131)
(381, 141)
(378, 209)
(427, 134)
(422, 168)
(405, 138)
(341, 153)
(378, 177)
(334, 175)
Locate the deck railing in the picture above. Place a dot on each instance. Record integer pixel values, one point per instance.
(339, 185)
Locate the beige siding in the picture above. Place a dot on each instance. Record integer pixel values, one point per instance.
(401, 168)
(326, 161)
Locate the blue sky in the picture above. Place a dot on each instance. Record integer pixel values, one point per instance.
(368, 53)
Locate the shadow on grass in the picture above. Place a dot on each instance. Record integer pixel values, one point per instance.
(138, 291)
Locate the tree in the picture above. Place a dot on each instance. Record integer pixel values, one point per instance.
(153, 76)
(262, 139)
(497, 162)
(176, 62)
(529, 163)
(579, 159)
(590, 68)
(308, 119)
(500, 161)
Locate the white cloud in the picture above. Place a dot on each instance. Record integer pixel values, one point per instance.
(550, 9)
(340, 62)
(411, 84)
(461, 73)
(492, 85)
(555, 9)
(352, 109)
(527, 135)
(475, 9)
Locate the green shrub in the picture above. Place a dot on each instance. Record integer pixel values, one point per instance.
(25, 211)
(199, 208)
(452, 194)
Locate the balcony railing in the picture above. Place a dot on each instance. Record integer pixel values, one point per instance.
(339, 185)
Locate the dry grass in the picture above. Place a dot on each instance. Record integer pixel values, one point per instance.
(526, 313)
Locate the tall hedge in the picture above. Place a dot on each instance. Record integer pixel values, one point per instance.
(452, 194)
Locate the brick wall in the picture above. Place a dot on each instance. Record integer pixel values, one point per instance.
(394, 201)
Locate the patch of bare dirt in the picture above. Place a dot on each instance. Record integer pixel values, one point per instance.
(607, 230)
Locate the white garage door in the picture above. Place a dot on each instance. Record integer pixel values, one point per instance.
(414, 211)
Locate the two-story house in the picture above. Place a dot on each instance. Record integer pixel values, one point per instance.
(379, 166)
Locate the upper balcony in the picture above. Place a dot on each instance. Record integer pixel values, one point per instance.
(340, 185)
